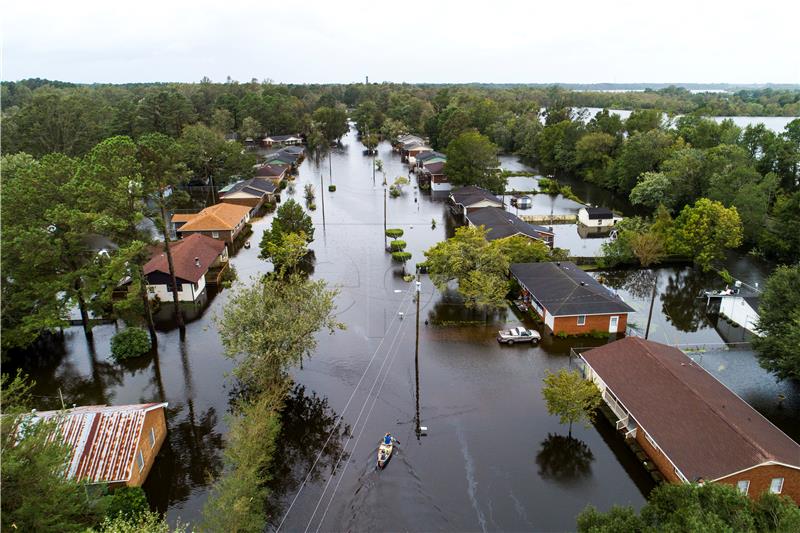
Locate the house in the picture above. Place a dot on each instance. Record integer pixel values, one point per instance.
(115, 445)
(411, 150)
(192, 259)
(296, 151)
(280, 159)
(276, 173)
(502, 224)
(402, 139)
(569, 300)
(466, 199)
(271, 140)
(253, 193)
(692, 427)
(597, 217)
(222, 221)
(433, 173)
(426, 158)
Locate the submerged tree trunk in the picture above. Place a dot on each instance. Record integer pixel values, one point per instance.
(87, 326)
(172, 279)
(148, 312)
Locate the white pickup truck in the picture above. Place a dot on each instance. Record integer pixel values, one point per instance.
(510, 336)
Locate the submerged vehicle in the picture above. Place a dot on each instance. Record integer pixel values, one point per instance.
(510, 336)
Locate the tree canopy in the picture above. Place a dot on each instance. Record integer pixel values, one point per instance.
(779, 323)
(472, 160)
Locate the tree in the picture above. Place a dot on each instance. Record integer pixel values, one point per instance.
(332, 122)
(479, 268)
(286, 252)
(594, 154)
(654, 189)
(519, 249)
(648, 248)
(643, 120)
(571, 397)
(690, 507)
(370, 141)
(211, 159)
(642, 152)
(704, 231)
(290, 218)
(781, 236)
(145, 522)
(222, 121)
(779, 323)
(250, 129)
(472, 160)
(556, 147)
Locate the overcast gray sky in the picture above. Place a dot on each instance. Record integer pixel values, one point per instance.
(403, 40)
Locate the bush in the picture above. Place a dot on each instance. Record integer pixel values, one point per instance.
(402, 257)
(332, 188)
(397, 245)
(394, 191)
(394, 233)
(285, 184)
(126, 502)
(312, 206)
(130, 342)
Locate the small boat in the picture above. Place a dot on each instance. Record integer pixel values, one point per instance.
(247, 244)
(384, 453)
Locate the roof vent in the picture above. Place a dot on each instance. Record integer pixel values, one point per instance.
(197, 261)
(583, 283)
(558, 263)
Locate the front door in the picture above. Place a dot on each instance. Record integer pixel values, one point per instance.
(613, 322)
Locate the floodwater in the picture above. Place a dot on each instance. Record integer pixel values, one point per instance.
(776, 124)
(491, 459)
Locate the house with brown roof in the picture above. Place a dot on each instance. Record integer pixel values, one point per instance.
(193, 258)
(693, 428)
(111, 444)
(253, 193)
(276, 173)
(569, 300)
(222, 221)
(433, 173)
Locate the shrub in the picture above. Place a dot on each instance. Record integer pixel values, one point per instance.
(394, 233)
(394, 192)
(285, 184)
(130, 342)
(312, 206)
(397, 245)
(332, 188)
(127, 502)
(402, 257)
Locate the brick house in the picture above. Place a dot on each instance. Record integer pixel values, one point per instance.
(433, 173)
(502, 224)
(692, 427)
(569, 300)
(115, 445)
(222, 221)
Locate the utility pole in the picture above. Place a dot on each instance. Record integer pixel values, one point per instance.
(417, 429)
(385, 241)
(322, 195)
(652, 300)
(330, 167)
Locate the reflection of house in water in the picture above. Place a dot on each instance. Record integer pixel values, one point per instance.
(737, 313)
(596, 222)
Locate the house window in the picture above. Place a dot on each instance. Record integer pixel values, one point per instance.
(169, 287)
(140, 460)
(776, 486)
(152, 438)
(581, 320)
(215, 234)
(743, 485)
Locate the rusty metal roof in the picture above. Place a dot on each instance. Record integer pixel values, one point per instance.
(103, 439)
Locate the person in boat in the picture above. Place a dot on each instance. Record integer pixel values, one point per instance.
(387, 439)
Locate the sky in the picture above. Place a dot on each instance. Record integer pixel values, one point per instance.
(311, 41)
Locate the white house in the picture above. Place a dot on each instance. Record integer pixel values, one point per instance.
(192, 257)
(597, 217)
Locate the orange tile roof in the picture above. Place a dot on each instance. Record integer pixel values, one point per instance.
(217, 217)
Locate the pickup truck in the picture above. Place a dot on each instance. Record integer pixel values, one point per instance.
(510, 336)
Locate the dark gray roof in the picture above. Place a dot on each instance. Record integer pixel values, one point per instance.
(293, 150)
(471, 195)
(566, 290)
(429, 155)
(597, 213)
(255, 186)
(282, 156)
(704, 428)
(502, 224)
(435, 168)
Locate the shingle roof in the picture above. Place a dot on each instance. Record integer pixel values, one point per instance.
(221, 216)
(102, 439)
(184, 252)
(270, 170)
(282, 157)
(704, 428)
(256, 186)
(502, 224)
(293, 150)
(597, 213)
(435, 168)
(471, 195)
(430, 155)
(566, 290)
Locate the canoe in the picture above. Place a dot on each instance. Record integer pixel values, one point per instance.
(384, 454)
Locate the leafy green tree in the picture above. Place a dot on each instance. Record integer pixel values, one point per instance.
(369, 118)
(479, 268)
(644, 120)
(690, 507)
(286, 252)
(129, 343)
(370, 141)
(704, 231)
(250, 129)
(571, 397)
(779, 323)
(556, 147)
(594, 154)
(332, 121)
(290, 218)
(222, 121)
(163, 111)
(519, 249)
(654, 189)
(781, 236)
(472, 160)
(643, 152)
(145, 522)
(211, 159)
(619, 250)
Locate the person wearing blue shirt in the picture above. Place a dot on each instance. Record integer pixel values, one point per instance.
(387, 439)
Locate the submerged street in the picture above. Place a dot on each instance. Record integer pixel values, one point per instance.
(491, 458)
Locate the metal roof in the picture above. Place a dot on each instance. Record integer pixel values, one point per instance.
(102, 439)
(565, 290)
(705, 429)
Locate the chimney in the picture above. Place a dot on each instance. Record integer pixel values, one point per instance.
(197, 262)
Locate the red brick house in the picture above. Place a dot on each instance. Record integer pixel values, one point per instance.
(692, 427)
(569, 300)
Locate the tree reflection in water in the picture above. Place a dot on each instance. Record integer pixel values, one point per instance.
(637, 282)
(306, 423)
(681, 304)
(564, 459)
